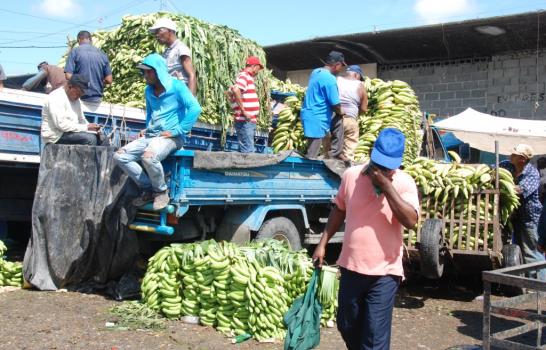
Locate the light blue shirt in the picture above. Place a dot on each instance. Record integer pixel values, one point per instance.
(321, 95)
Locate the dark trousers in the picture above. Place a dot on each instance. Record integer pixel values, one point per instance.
(78, 138)
(332, 143)
(364, 313)
(336, 137)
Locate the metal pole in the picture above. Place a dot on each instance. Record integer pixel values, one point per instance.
(486, 315)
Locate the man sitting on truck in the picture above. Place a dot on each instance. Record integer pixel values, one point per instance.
(375, 200)
(171, 111)
(63, 121)
(525, 219)
(321, 99)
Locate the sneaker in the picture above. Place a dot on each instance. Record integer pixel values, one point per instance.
(145, 198)
(161, 200)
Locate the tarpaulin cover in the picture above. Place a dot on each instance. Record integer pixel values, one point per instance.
(236, 160)
(81, 208)
(480, 130)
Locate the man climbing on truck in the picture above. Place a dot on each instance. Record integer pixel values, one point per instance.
(171, 111)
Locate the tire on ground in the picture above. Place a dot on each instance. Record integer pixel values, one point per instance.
(280, 228)
(430, 244)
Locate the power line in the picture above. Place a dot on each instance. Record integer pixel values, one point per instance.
(37, 17)
(121, 8)
(33, 47)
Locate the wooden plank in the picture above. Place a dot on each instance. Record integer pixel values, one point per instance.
(461, 222)
(468, 224)
(477, 230)
(486, 223)
(451, 222)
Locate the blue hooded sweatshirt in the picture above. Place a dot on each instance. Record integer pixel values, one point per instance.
(175, 110)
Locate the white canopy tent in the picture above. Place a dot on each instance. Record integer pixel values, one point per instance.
(480, 130)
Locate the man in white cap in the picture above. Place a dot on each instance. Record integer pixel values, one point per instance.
(177, 54)
(525, 219)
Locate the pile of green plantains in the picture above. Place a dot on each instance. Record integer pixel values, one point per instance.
(236, 289)
(218, 54)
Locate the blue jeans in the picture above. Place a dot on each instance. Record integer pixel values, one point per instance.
(364, 313)
(245, 136)
(526, 236)
(160, 148)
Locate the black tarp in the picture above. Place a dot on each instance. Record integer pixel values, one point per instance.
(79, 236)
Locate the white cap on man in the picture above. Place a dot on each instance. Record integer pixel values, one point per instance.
(163, 23)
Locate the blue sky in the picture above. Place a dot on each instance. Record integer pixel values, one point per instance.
(49, 22)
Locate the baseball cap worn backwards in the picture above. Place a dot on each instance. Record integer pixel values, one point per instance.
(356, 68)
(163, 23)
(523, 150)
(388, 148)
(80, 81)
(335, 57)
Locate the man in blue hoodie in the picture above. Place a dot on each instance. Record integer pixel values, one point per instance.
(171, 111)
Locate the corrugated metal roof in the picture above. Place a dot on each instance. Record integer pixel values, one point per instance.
(428, 43)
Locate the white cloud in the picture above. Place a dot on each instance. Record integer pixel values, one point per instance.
(60, 8)
(436, 11)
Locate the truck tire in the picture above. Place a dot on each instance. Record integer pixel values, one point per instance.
(281, 229)
(430, 249)
(511, 256)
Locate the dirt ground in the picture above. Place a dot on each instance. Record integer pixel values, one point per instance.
(427, 316)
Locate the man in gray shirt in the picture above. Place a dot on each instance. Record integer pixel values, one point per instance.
(177, 54)
(2, 77)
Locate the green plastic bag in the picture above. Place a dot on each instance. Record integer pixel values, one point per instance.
(303, 319)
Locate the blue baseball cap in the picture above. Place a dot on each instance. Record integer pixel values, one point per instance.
(356, 68)
(388, 149)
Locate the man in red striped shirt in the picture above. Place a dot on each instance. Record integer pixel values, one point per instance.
(245, 104)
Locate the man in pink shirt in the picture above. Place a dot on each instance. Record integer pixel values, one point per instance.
(376, 200)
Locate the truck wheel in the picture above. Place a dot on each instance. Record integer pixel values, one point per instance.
(430, 249)
(281, 229)
(511, 256)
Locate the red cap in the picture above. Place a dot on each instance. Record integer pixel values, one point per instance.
(254, 60)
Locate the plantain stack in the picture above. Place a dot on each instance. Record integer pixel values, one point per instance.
(11, 273)
(445, 184)
(236, 289)
(289, 132)
(391, 104)
(218, 54)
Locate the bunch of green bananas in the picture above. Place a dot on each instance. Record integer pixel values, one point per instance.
(218, 54)
(289, 132)
(445, 184)
(236, 289)
(11, 273)
(391, 104)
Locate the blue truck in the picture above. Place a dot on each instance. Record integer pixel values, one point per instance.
(288, 200)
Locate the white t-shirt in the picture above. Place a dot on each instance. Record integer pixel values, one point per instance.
(60, 115)
(172, 55)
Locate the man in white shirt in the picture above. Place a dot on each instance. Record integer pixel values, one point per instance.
(177, 54)
(63, 121)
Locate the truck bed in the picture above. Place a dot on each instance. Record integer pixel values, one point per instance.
(20, 122)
